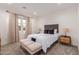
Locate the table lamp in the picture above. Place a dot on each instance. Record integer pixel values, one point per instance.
(66, 30)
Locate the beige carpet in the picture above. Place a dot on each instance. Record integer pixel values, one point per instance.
(57, 49)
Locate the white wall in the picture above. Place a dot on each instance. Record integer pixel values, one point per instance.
(65, 18)
(34, 25)
(4, 17)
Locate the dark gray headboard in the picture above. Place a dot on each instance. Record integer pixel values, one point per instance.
(49, 29)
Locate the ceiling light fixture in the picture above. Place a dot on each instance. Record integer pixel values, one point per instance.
(7, 11)
(24, 7)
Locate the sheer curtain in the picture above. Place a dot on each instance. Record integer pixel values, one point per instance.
(28, 26)
(13, 28)
(17, 30)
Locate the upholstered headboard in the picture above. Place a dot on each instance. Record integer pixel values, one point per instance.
(49, 29)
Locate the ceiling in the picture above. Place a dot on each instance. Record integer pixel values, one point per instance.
(34, 9)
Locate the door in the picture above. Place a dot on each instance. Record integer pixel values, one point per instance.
(22, 28)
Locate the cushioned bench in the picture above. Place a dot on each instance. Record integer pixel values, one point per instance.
(30, 46)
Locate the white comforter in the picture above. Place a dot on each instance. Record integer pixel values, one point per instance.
(44, 39)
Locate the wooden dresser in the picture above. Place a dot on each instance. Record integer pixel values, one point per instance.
(65, 39)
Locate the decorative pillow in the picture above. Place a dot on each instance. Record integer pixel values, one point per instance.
(33, 39)
(55, 31)
(49, 31)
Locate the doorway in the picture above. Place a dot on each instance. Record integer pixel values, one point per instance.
(22, 27)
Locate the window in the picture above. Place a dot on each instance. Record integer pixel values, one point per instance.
(21, 24)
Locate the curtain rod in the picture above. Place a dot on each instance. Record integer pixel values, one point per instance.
(17, 14)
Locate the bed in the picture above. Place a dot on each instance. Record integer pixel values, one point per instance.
(47, 38)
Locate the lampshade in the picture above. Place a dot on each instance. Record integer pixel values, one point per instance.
(66, 29)
(39, 30)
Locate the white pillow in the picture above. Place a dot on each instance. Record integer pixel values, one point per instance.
(55, 31)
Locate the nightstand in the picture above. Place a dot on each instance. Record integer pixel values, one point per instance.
(65, 39)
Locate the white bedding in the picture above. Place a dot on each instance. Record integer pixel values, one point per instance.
(46, 40)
